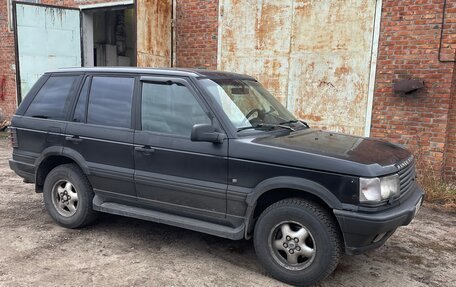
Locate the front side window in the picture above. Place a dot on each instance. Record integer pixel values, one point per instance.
(110, 101)
(53, 99)
(170, 109)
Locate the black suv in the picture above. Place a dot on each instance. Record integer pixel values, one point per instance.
(212, 152)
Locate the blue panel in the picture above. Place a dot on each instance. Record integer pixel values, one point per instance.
(48, 38)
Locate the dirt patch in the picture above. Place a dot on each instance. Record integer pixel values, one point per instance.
(120, 251)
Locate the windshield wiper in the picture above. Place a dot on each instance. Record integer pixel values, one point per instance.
(294, 122)
(266, 126)
(289, 122)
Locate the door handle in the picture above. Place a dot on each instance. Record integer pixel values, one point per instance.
(74, 139)
(145, 149)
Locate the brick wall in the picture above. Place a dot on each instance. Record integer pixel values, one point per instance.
(196, 33)
(7, 72)
(450, 154)
(409, 44)
(449, 46)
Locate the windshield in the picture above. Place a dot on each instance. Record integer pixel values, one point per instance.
(248, 104)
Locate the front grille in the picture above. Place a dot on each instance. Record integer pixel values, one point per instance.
(407, 176)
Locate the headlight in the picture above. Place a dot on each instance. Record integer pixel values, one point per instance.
(375, 190)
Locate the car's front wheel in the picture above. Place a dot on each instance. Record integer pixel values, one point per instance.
(68, 196)
(297, 242)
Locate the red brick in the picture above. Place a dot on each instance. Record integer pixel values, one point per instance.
(196, 34)
(408, 48)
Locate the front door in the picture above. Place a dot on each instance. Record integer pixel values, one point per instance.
(47, 37)
(172, 173)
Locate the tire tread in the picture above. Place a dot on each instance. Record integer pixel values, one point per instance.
(326, 219)
(89, 215)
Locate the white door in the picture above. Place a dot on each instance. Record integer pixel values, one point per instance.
(47, 37)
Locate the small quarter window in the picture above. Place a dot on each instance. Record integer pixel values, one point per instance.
(110, 101)
(80, 111)
(53, 99)
(170, 109)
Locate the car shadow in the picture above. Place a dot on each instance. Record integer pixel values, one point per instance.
(140, 234)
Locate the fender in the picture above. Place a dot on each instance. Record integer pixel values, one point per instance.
(47, 152)
(288, 182)
(78, 158)
(62, 151)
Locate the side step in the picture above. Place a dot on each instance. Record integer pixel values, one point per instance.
(170, 219)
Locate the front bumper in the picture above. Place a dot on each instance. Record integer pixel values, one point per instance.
(365, 231)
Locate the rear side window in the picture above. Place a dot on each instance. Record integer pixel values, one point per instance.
(110, 101)
(53, 99)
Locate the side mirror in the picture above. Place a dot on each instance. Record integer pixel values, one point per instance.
(206, 133)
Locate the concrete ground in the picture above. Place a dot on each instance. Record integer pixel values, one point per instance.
(120, 251)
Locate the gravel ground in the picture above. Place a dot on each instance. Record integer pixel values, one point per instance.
(120, 251)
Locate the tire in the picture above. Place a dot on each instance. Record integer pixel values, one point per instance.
(68, 197)
(312, 250)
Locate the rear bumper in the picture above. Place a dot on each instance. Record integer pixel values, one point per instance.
(24, 170)
(365, 231)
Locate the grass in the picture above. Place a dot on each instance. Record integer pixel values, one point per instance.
(3, 135)
(440, 194)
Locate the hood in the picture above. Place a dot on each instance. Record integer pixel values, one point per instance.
(328, 151)
(347, 147)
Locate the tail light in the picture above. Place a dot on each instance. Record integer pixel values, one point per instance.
(13, 137)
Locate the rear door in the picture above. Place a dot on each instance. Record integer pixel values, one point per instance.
(41, 123)
(173, 173)
(47, 37)
(101, 134)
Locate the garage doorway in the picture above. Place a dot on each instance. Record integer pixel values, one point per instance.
(109, 36)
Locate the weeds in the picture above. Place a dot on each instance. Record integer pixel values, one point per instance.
(439, 193)
(3, 135)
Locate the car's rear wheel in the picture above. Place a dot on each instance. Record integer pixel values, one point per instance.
(68, 196)
(297, 242)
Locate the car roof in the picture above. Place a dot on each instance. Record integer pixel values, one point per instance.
(199, 73)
